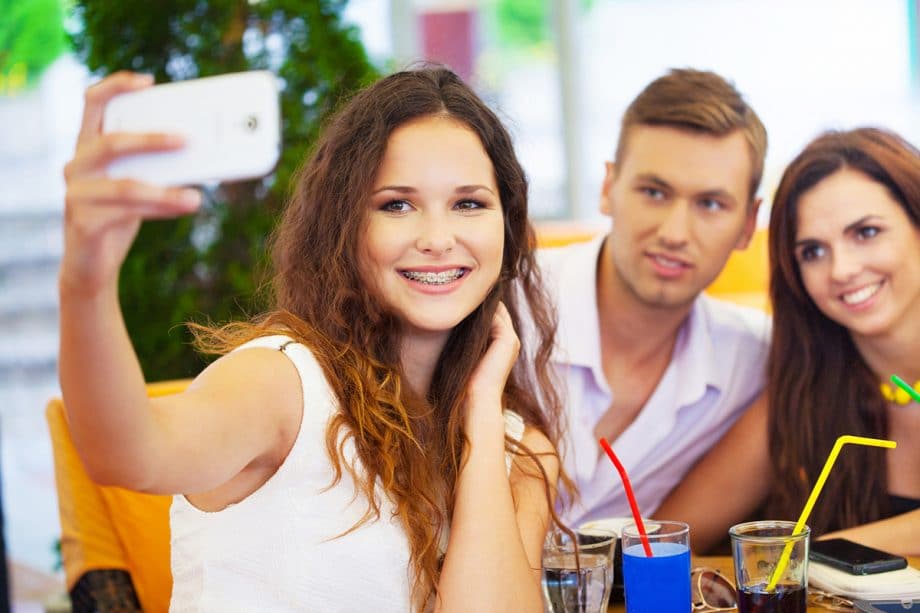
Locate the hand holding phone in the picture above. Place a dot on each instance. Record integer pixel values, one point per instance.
(103, 214)
(854, 558)
(230, 125)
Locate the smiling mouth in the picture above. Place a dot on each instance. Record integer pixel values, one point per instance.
(434, 278)
(861, 295)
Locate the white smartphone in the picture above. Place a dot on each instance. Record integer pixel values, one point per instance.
(231, 124)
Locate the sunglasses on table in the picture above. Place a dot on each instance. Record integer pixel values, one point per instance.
(713, 592)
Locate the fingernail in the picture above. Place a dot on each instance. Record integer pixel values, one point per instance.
(143, 79)
(190, 197)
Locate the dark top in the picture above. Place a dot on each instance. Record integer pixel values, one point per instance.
(900, 504)
(4, 578)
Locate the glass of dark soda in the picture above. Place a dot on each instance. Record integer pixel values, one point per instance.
(756, 550)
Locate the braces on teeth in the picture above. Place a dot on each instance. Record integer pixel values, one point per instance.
(434, 278)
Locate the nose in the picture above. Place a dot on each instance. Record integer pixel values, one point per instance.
(844, 265)
(673, 231)
(436, 235)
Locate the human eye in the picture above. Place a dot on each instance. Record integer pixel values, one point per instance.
(469, 205)
(652, 192)
(810, 253)
(395, 206)
(867, 232)
(711, 204)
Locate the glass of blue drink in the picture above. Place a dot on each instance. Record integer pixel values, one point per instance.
(577, 573)
(661, 583)
(756, 549)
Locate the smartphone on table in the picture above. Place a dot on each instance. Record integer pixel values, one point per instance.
(231, 124)
(854, 558)
(887, 606)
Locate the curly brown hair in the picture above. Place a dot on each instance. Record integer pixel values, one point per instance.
(411, 445)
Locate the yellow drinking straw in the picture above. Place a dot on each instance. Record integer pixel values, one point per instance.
(816, 490)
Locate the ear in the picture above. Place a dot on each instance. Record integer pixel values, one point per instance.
(610, 173)
(750, 225)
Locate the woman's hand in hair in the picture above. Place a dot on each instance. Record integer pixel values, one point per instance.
(102, 215)
(487, 384)
(498, 516)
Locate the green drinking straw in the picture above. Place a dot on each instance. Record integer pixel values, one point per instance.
(907, 387)
(816, 490)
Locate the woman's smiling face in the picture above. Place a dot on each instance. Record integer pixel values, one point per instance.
(435, 233)
(858, 254)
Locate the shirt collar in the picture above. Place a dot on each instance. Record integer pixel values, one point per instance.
(695, 357)
(579, 329)
(578, 341)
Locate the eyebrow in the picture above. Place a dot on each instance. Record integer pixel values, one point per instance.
(711, 193)
(860, 222)
(405, 189)
(850, 227)
(655, 179)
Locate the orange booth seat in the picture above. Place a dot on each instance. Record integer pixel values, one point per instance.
(113, 528)
(110, 527)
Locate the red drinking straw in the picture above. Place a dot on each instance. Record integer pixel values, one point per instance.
(629, 496)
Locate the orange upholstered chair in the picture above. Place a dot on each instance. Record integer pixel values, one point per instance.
(746, 277)
(110, 528)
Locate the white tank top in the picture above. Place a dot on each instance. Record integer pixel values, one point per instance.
(276, 549)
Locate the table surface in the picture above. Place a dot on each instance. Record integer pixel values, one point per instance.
(724, 564)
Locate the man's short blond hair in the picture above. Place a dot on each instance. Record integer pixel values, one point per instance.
(698, 101)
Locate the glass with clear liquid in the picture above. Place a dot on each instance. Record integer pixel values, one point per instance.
(579, 585)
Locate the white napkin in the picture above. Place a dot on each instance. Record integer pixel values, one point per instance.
(892, 584)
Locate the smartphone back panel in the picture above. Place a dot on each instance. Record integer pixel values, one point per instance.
(231, 124)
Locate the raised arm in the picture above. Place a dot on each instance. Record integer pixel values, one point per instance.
(191, 442)
(727, 484)
(499, 523)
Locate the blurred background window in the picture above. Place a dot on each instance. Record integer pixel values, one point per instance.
(561, 72)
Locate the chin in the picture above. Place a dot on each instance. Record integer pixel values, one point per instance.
(876, 327)
(438, 325)
(667, 299)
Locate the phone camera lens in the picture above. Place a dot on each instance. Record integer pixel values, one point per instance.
(252, 122)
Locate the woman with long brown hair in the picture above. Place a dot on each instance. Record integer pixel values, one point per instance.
(372, 442)
(845, 288)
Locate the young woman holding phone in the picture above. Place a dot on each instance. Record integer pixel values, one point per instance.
(372, 442)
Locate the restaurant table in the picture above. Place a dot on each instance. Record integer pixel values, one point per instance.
(724, 564)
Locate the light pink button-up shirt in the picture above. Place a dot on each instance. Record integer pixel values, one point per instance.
(716, 371)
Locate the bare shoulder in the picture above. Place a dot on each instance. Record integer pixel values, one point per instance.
(255, 370)
(260, 385)
(537, 442)
(242, 411)
(545, 453)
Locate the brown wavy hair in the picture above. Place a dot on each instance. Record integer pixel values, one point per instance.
(412, 445)
(819, 385)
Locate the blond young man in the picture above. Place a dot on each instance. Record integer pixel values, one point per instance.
(648, 361)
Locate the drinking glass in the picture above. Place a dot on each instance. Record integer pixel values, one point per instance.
(577, 574)
(756, 549)
(615, 525)
(661, 583)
